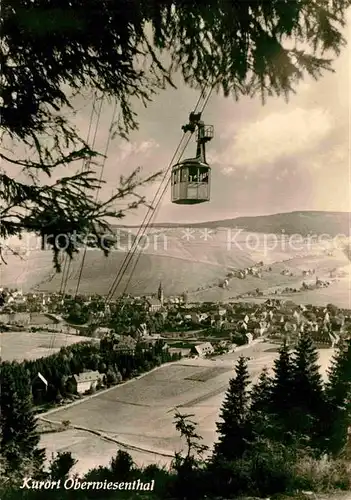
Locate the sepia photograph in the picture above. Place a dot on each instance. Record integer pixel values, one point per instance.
(175, 250)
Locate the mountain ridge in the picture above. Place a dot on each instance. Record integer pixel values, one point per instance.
(297, 222)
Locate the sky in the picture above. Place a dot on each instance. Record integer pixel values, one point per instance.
(271, 158)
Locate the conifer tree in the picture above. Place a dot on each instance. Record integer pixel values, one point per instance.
(338, 393)
(122, 466)
(281, 390)
(307, 395)
(261, 397)
(19, 437)
(261, 392)
(233, 427)
(61, 466)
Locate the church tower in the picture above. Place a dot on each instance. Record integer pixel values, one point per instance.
(160, 294)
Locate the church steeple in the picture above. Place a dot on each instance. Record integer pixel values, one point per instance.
(160, 294)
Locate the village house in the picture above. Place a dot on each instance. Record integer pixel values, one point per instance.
(326, 319)
(174, 300)
(179, 318)
(261, 328)
(202, 350)
(249, 338)
(143, 330)
(39, 384)
(198, 317)
(185, 352)
(218, 317)
(164, 313)
(290, 326)
(153, 304)
(297, 317)
(221, 311)
(101, 331)
(217, 320)
(227, 345)
(151, 341)
(85, 381)
(339, 320)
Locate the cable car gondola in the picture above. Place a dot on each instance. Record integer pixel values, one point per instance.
(191, 178)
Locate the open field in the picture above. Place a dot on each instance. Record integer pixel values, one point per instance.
(140, 414)
(17, 346)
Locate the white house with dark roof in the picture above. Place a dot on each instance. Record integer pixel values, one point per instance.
(87, 380)
(203, 350)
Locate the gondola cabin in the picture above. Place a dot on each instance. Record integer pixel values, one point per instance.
(191, 182)
(191, 178)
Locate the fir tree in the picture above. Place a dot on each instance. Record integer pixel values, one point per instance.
(261, 392)
(338, 393)
(233, 429)
(261, 397)
(61, 466)
(19, 437)
(281, 391)
(122, 466)
(307, 395)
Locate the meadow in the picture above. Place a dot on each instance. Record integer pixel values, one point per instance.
(17, 346)
(138, 415)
